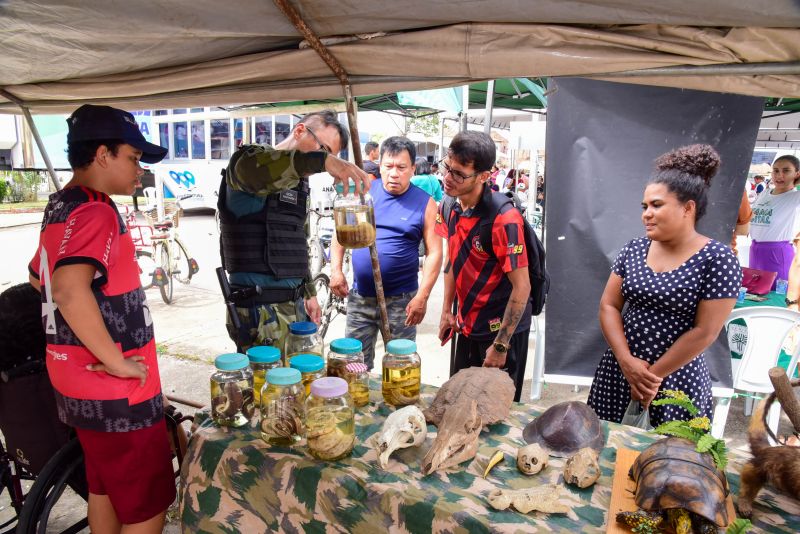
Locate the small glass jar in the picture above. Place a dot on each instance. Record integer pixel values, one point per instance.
(283, 407)
(354, 217)
(330, 420)
(232, 390)
(341, 352)
(402, 371)
(311, 367)
(262, 359)
(303, 339)
(358, 383)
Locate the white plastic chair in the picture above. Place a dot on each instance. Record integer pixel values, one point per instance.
(150, 195)
(767, 330)
(537, 332)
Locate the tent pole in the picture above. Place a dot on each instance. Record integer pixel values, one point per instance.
(487, 117)
(35, 131)
(338, 70)
(464, 108)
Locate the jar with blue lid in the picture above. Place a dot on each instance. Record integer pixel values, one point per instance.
(311, 367)
(342, 352)
(262, 359)
(402, 372)
(303, 338)
(232, 400)
(283, 407)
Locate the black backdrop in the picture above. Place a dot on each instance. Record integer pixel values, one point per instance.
(602, 138)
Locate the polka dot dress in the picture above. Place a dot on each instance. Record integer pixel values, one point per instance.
(661, 308)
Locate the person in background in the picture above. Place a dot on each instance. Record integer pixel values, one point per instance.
(263, 209)
(405, 217)
(742, 220)
(758, 184)
(371, 163)
(100, 343)
(427, 181)
(679, 287)
(493, 319)
(774, 217)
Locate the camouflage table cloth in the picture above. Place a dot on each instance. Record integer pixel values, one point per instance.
(232, 481)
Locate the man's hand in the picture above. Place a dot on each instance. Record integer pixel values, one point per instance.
(338, 284)
(131, 367)
(344, 171)
(313, 310)
(644, 384)
(447, 322)
(494, 358)
(415, 311)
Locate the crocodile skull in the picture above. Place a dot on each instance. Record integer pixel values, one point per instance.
(404, 428)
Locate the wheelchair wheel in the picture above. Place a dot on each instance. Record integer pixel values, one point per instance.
(42, 507)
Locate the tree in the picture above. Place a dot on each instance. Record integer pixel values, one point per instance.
(424, 122)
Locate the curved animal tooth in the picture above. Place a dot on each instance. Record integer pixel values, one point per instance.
(496, 458)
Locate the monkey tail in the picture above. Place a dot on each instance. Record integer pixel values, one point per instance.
(757, 430)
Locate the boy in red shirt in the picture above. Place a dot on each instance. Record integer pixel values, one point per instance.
(101, 354)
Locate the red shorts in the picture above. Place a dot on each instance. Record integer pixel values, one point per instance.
(133, 468)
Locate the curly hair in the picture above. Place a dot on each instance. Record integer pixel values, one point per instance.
(22, 336)
(687, 173)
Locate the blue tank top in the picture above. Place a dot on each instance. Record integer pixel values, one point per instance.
(399, 221)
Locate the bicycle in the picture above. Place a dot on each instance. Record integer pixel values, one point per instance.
(66, 469)
(168, 253)
(331, 305)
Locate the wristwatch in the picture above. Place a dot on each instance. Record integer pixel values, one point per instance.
(502, 348)
(790, 302)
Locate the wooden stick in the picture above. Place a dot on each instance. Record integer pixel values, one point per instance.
(785, 394)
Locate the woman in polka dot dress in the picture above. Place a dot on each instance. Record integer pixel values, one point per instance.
(679, 286)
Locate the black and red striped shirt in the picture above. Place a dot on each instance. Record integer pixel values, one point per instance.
(83, 226)
(482, 285)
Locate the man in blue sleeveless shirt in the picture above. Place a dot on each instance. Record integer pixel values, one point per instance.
(405, 215)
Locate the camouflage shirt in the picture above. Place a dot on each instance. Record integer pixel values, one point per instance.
(262, 170)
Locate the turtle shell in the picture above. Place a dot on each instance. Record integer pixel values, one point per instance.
(670, 473)
(566, 428)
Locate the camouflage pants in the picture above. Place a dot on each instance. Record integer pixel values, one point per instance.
(265, 324)
(364, 319)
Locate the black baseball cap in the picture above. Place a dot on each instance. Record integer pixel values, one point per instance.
(92, 123)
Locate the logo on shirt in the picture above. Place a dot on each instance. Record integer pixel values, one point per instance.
(494, 324)
(514, 249)
(289, 196)
(439, 218)
(58, 356)
(476, 244)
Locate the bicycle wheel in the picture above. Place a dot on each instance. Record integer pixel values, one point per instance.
(44, 506)
(316, 257)
(326, 301)
(146, 267)
(163, 259)
(183, 263)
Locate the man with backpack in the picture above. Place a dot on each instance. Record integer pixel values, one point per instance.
(495, 264)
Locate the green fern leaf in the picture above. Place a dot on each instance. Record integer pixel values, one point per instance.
(706, 443)
(739, 526)
(686, 404)
(678, 429)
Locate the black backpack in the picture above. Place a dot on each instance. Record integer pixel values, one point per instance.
(540, 281)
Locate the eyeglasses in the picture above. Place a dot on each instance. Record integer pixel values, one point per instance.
(322, 147)
(459, 176)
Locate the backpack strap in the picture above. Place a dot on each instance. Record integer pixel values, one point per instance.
(493, 203)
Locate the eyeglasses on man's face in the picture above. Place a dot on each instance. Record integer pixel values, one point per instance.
(459, 176)
(322, 146)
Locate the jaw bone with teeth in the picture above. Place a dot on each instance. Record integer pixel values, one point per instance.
(404, 428)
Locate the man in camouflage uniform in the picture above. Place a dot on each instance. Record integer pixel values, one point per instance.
(263, 207)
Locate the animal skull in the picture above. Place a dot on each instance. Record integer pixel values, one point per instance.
(582, 469)
(456, 440)
(531, 459)
(404, 428)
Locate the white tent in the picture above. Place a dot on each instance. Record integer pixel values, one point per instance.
(138, 55)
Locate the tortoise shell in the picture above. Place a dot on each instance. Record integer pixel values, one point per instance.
(566, 428)
(670, 473)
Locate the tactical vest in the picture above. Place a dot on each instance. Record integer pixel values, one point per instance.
(271, 241)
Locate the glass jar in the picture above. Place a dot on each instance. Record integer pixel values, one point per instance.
(283, 407)
(262, 359)
(358, 383)
(303, 339)
(341, 352)
(354, 217)
(401, 373)
(311, 367)
(232, 390)
(330, 421)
